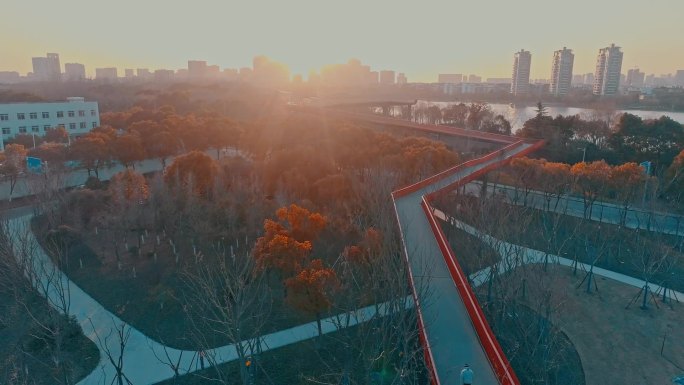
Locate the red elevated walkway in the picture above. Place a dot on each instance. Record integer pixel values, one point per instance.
(453, 327)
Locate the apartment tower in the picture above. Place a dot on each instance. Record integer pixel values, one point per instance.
(608, 67)
(520, 81)
(561, 71)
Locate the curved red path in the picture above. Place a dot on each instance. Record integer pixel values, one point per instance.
(453, 327)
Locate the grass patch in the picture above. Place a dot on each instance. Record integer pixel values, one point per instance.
(350, 352)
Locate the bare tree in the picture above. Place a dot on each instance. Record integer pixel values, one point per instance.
(115, 355)
(228, 299)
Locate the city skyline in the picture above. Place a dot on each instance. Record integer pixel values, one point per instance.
(305, 36)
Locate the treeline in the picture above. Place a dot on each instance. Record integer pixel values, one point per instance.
(623, 184)
(570, 139)
(473, 116)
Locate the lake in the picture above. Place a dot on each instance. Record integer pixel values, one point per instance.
(518, 115)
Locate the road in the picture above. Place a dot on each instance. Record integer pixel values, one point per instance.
(32, 184)
(604, 212)
(450, 333)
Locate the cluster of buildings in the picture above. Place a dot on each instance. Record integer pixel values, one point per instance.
(354, 73)
(263, 71)
(49, 69)
(607, 79)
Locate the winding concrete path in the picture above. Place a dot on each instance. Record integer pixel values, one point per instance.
(524, 255)
(142, 361)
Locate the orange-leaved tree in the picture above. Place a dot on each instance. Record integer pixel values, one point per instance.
(556, 179)
(301, 223)
(194, 171)
(311, 290)
(627, 180)
(367, 251)
(287, 242)
(591, 180)
(526, 172)
(129, 186)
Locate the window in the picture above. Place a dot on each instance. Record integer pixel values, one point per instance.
(83, 125)
(46, 115)
(22, 130)
(35, 129)
(92, 112)
(46, 127)
(33, 115)
(94, 124)
(72, 126)
(4, 117)
(81, 113)
(61, 125)
(60, 114)
(21, 116)
(6, 131)
(71, 114)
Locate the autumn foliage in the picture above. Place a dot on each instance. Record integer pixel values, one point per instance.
(130, 186)
(367, 251)
(194, 171)
(312, 288)
(287, 242)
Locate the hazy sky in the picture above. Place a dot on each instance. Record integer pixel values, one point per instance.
(421, 38)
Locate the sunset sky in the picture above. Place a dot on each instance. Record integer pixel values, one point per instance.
(420, 38)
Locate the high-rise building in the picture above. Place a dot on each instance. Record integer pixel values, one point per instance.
(213, 71)
(373, 77)
(163, 75)
(74, 71)
(143, 73)
(108, 74)
(608, 67)
(387, 77)
(577, 80)
(197, 69)
(561, 71)
(129, 73)
(679, 78)
(589, 79)
(474, 79)
(401, 78)
(47, 68)
(499, 81)
(520, 81)
(449, 78)
(635, 78)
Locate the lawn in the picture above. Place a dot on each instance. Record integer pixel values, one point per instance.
(636, 253)
(616, 345)
(27, 348)
(319, 361)
(150, 300)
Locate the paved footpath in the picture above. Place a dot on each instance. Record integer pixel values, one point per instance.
(141, 364)
(508, 251)
(449, 330)
(605, 212)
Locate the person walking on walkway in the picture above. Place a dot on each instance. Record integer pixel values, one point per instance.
(466, 375)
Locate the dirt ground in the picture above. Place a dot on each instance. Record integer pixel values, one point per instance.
(620, 346)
